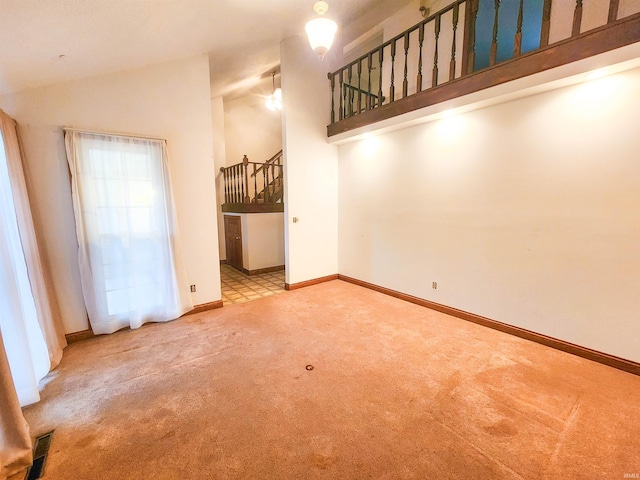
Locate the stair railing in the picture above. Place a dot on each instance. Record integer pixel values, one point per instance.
(250, 182)
(434, 52)
(272, 175)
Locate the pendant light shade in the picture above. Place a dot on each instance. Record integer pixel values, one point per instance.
(274, 101)
(321, 30)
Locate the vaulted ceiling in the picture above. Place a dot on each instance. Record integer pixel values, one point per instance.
(44, 42)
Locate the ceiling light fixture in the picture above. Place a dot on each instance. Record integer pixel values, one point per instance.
(321, 30)
(274, 101)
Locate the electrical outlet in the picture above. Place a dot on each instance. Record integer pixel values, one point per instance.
(193, 288)
(434, 285)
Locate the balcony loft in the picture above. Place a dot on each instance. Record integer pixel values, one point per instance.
(472, 46)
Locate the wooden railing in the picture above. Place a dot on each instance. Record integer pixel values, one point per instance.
(435, 52)
(252, 184)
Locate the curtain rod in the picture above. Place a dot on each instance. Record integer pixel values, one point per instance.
(116, 134)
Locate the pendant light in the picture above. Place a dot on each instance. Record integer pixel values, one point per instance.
(321, 30)
(274, 101)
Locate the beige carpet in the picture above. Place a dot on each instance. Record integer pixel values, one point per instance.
(397, 391)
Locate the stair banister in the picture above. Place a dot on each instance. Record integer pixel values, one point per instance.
(484, 47)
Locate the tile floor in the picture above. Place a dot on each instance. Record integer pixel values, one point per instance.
(239, 288)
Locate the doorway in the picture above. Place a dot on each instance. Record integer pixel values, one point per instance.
(233, 240)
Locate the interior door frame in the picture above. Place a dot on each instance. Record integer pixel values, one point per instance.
(238, 241)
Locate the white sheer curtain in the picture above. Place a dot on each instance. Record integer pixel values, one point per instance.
(28, 317)
(25, 345)
(31, 339)
(129, 252)
(15, 441)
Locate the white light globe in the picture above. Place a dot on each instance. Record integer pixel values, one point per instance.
(321, 31)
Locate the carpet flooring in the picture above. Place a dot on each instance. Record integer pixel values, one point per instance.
(396, 391)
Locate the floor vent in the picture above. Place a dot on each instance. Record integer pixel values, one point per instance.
(40, 451)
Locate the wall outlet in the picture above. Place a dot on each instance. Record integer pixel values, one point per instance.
(434, 285)
(193, 288)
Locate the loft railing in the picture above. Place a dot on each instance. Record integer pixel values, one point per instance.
(467, 37)
(253, 187)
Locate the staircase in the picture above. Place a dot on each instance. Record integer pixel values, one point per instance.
(251, 187)
(271, 193)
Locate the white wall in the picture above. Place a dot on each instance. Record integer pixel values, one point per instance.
(311, 164)
(251, 129)
(262, 239)
(170, 101)
(263, 244)
(524, 212)
(219, 154)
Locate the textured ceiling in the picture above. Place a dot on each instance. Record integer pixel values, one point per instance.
(44, 42)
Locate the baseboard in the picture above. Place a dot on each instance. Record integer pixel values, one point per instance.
(87, 334)
(308, 283)
(259, 271)
(593, 355)
(223, 262)
(79, 336)
(203, 307)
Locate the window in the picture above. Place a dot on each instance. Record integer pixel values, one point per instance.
(127, 232)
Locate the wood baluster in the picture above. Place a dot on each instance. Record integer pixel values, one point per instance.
(341, 114)
(494, 43)
(420, 43)
(352, 96)
(233, 185)
(469, 42)
(405, 82)
(392, 94)
(267, 187)
(349, 80)
(369, 67)
(613, 10)
(380, 52)
(224, 183)
(546, 23)
(255, 183)
(245, 186)
(264, 185)
(452, 64)
(231, 180)
(577, 19)
(239, 178)
(333, 88)
(359, 91)
(517, 42)
(236, 186)
(434, 80)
